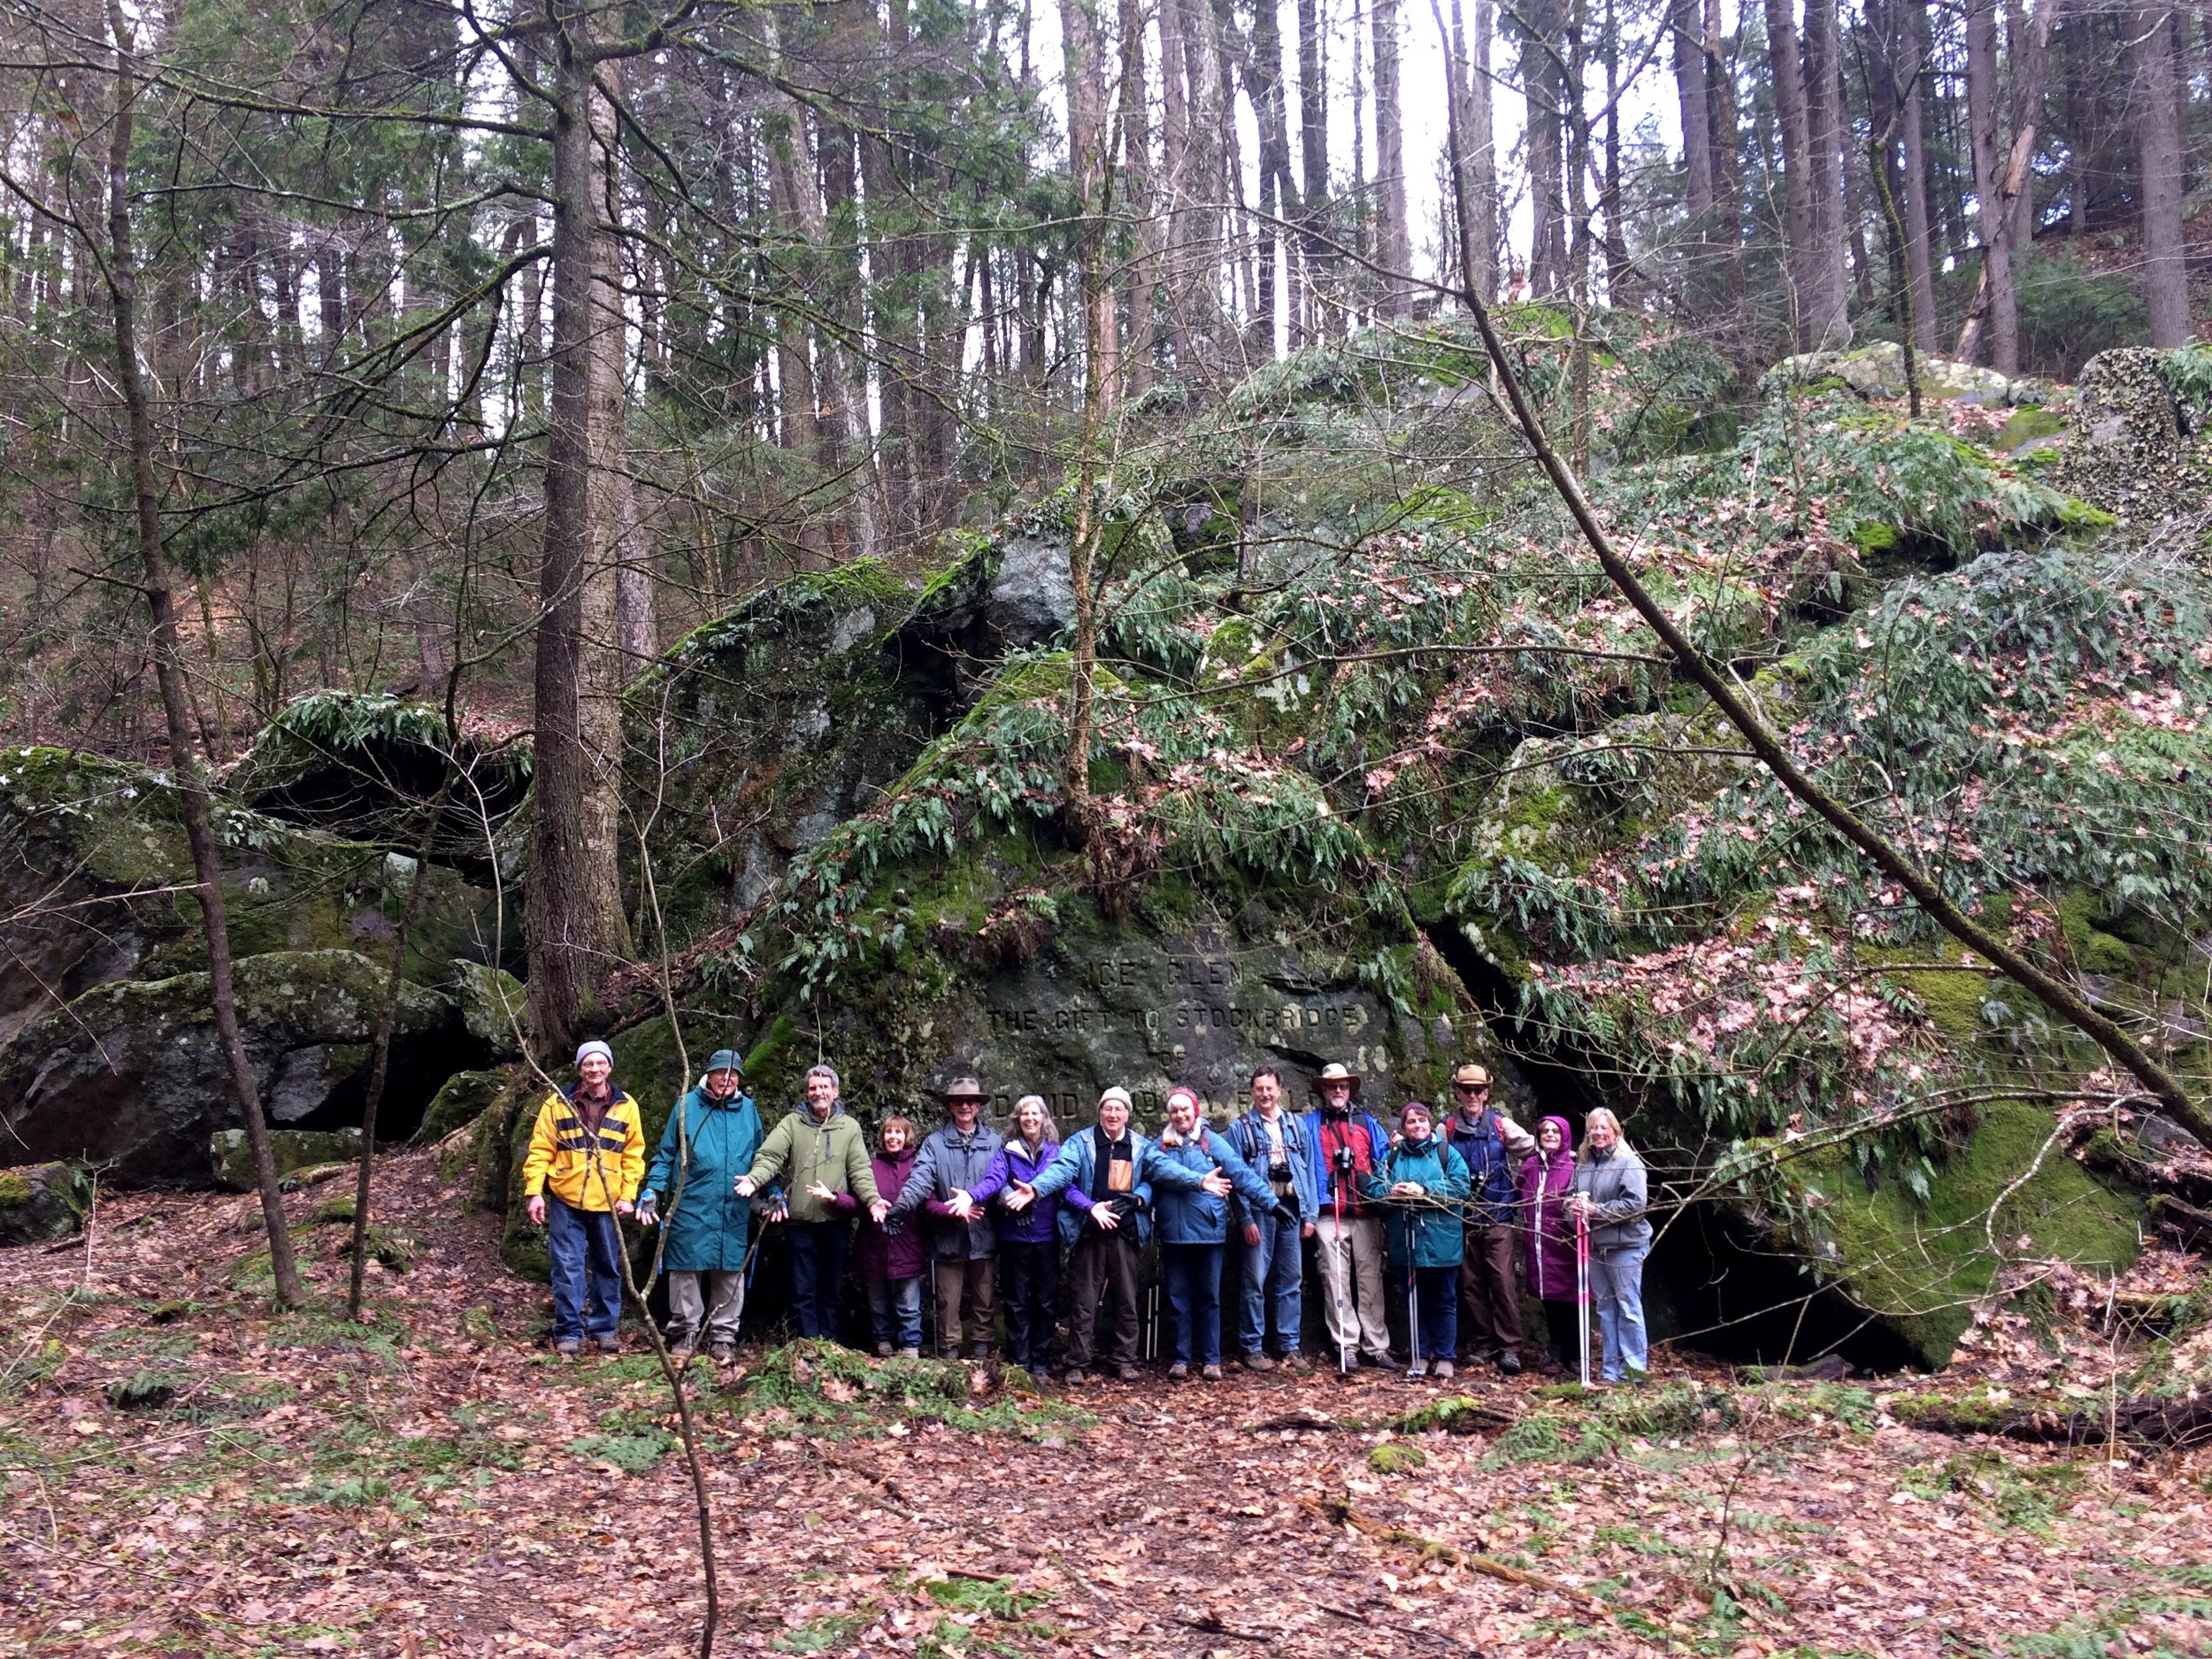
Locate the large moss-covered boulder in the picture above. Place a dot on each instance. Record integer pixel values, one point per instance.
(131, 1075)
(39, 1202)
(96, 883)
(290, 1150)
(2135, 448)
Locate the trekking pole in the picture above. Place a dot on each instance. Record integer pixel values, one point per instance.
(1336, 1275)
(1582, 1289)
(1415, 1365)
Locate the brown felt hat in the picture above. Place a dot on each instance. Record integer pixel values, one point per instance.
(1470, 1077)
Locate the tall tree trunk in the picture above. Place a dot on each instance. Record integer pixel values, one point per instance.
(1481, 144)
(199, 828)
(1830, 319)
(1313, 155)
(1797, 183)
(1083, 51)
(1393, 240)
(1996, 247)
(574, 907)
(1685, 26)
(1995, 289)
(1543, 84)
(1912, 28)
(1136, 144)
(1279, 194)
(2158, 115)
(1720, 102)
(1200, 263)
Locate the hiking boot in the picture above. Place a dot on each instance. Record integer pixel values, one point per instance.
(1441, 1371)
(568, 1348)
(1128, 1374)
(607, 1344)
(1418, 1370)
(722, 1353)
(1508, 1363)
(1077, 1376)
(883, 1351)
(1041, 1375)
(1211, 1373)
(1178, 1372)
(1295, 1363)
(911, 1352)
(1258, 1362)
(683, 1349)
(980, 1353)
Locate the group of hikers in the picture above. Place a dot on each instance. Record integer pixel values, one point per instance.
(1453, 1215)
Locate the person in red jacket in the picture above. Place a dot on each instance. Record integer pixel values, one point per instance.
(890, 1263)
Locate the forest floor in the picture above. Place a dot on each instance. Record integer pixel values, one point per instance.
(188, 1473)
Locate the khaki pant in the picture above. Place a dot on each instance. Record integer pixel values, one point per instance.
(1106, 1262)
(972, 1283)
(724, 1304)
(1490, 1291)
(1354, 1266)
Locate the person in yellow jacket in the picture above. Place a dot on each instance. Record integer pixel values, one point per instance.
(587, 1157)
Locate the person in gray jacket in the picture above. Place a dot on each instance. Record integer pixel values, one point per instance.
(1611, 1195)
(963, 1238)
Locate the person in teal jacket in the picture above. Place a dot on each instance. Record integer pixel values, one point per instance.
(1422, 1186)
(712, 1137)
(1196, 1174)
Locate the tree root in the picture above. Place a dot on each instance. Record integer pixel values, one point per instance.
(2145, 1421)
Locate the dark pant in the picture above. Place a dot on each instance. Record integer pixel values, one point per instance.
(1029, 1282)
(1270, 1281)
(1104, 1262)
(965, 1290)
(1489, 1292)
(1439, 1329)
(587, 1284)
(818, 1273)
(1192, 1275)
(1565, 1333)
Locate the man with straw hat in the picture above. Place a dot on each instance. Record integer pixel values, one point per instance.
(1491, 1146)
(1347, 1145)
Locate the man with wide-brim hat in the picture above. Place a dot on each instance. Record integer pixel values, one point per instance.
(712, 1138)
(1346, 1147)
(1491, 1146)
(962, 1237)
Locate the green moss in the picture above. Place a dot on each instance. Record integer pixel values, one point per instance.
(1870, 538)
(2024, 423)
(2095, 950)
(1394, 1458)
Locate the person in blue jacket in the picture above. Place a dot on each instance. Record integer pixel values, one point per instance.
(1347, 1145)
(1422, 1186)
(1194, 1226)
(1273, 1143)
(712, 1139)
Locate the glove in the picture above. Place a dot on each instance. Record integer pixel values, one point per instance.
(649, 1208)
(1287, 1213)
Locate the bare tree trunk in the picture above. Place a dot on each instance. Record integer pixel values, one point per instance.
(574, 902)
(1543, 83)
(1720, 99)
(1393, 241)
(2015, 194)
(1830, 323)
(1084, 52)
(1480, 141)
(1912, 17)
(1981, 121)
(199, 828)
(1279, 194)
(1797, 181)
(1200, 262)
(1136, 143)
(1313, 146)
(1684, 26)
(2165, 255)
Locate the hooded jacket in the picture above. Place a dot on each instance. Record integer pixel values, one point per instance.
(1426, 1231)
(880, 1252)
(1617, 1184)
(951, 1160)
(1323, 1178)
(1036, 1223)
(583, 1169)
(1190, 1215)
(800, 1151)
(1248, 1136)
(707, 1227)
(1547, 1231)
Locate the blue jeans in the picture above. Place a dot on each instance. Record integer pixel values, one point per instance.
(895, 1311)
(1273, 1269)
(587, 1284)
(817, 1274)
(1616, 1290)
(1436, 1294)
(1192, 1273)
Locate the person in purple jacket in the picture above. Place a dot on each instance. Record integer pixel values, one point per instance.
(1028, 1236)
(1547, 1231)
(890, 1263)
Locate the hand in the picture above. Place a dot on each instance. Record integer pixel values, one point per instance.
(962, 1206)
(1019, 1197)
(780, 1212)
(536, 1208)
(1408, 1190)
(624, 1207)
(1215, 1183)
(648, 1210)
(745, 1188)
(1252, 1235)
(1103, 1214)
(1308, 1230)
(820, 1189)
(877, 1211)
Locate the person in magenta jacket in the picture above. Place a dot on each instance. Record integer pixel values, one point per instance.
(1547, 1234)
(1028, 1236)
(890, 1263)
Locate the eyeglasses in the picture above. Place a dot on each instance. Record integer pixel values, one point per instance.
(1472, 1088)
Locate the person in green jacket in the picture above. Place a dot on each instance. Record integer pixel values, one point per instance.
(819, 1154)
(712, 1137)
(1422, 1185)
